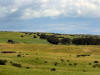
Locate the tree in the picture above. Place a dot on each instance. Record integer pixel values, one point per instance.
(53, 40)
(34, 36)
(43, 36)
(65, 41)
(86, 41)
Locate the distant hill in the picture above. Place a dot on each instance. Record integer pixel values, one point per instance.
(34, 37)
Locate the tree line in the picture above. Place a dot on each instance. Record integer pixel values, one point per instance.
(53, 39)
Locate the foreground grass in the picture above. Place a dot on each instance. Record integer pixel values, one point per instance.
(37, 72)
(41, 58)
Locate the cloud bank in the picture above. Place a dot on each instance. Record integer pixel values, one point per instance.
(29, 9)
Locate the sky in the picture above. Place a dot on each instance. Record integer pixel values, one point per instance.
(56, 16)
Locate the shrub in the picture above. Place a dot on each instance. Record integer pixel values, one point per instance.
(45, 62)
(11, 41)
(27, 54)
(3, 62)
(82, 55)
(56, 63)
(18, 55)
(70, 64)
(8, 51)
(34, 36)
(62, 60)
(96, 66)
(68, 60)
(90, 63)
(84, 71)
(27, 67)
(53, 69)
(96, 61)
(75, 64)
(22, 36)
(16, 64)
(65, 41)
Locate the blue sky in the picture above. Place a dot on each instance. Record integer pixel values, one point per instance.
(58, 16)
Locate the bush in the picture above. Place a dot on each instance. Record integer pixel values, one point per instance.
(27, 67)
(11, 41)
(62, 60)
(96, 61)
(84, 71)
(15, 64)
(68, 60)
(90, 63)
(8, 51)
(96, 66)
(22, 36)
(34, 36)
(56, 63)
(53, 69)
(65, 41)
(3, 62)
(45, 61)
(75, 64)
(18, 55)
(70, 64)
(53, 40)
(43, 36)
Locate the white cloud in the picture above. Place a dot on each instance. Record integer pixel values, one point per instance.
(3, 11)
(52, 8)
(29, 13)
(13, 10)
(51, 12)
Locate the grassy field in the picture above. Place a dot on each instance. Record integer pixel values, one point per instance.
(16, 36)
(38, 57)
